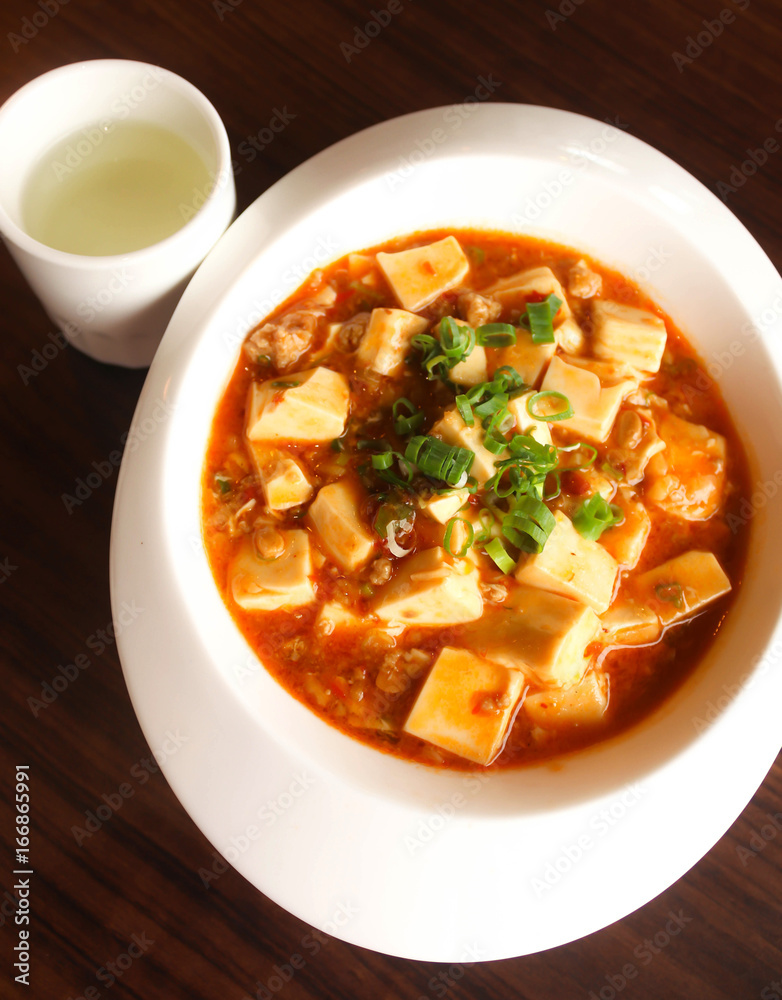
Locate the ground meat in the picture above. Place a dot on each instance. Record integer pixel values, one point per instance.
(478, 309)
(582, 282)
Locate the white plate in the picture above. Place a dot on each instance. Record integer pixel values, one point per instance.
(379, 852)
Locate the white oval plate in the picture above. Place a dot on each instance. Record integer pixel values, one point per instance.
(383, 853)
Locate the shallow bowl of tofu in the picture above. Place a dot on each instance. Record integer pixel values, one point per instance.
(442, 863)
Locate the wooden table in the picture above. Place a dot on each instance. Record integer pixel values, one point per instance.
(123, 912)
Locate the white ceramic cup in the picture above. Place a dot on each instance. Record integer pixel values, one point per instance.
(114, 308)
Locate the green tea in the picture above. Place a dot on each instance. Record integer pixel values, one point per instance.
(114, 189)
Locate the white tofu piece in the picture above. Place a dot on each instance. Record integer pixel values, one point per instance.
(443, 507)
(314, 408)
(537, 632)
(629, 623)
(285, 483)
(624, 333)
(528, 358)
(573, 566)
(429, 588)
(335, 514)
(473, 370)
(594, 406)
(625, 541)
(466, 705)
(268, 584)
(582, 705)
(333, 616)
(514, 291)
(526, 424)
(570, 337)
(678, 588)
(418, 276)
(687, 479)
(385, 345)
(453, 430)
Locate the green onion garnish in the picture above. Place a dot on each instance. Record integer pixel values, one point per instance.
(263, 359)
(406, 424)
(586, 463)
(383, 461)
(467, 543)
(539, 319)
(564, 412)
(496, 550)
(528, 524)
(439, 460)
(496, 335)
(387, 513)
(465, 410)
(671, 593)
(337, 445)
(285, 385)
(612, 471)
(487, 522)
(223, 483)
(595, 515)
(478, 255)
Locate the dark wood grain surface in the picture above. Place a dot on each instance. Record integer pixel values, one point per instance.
(124, 913)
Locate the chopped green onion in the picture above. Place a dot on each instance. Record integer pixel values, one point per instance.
(388, 513)
(366, 590)
(671, 593)
(612, 471)
(487, 522)
(478, 255)
(262, 359)
(496, 335)
(383, 461)
(467, 543)
(594, 516)
(529, 524)
(223, 483)
(496, 550)
(285, 385)
(337, 445)
(539, 319)
(465, 410)
(439, 460)
(406, 424)
(584, 464)
(564, 413)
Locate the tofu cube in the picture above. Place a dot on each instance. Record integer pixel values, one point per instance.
(431, 589)
(453, 430)
(570, 337)
(629, 623)
(680, 587)
(313, 408)
(418, 276)
(573, 566)
(526, 424)
(335, 514)
(594, 406)
(473, 370)
(528, 358)
(285, 483)
(625, 541)
(443, 507)
(466, 705)
(385, 344)
(334, 616)
(623, 333)
(268, 584)
(516, 290)
(537, 632)
(582, 705)
(687, 478)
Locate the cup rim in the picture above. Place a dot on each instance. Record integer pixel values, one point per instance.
(14, 233)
